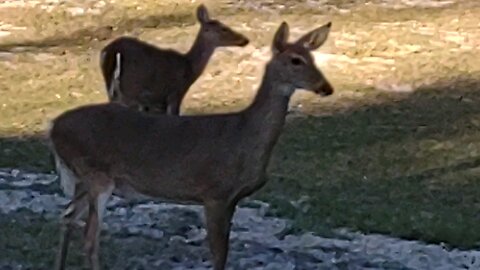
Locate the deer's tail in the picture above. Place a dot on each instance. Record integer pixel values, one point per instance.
(110, 64)
(68, 179)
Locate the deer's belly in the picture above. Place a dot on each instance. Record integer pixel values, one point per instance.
(155, 191)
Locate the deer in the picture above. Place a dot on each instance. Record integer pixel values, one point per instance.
(211, 160)
(154, 79)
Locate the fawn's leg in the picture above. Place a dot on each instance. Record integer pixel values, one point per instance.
(174, 101)
(96, 208)
(75, 209)
(158, 108)
(219, 216)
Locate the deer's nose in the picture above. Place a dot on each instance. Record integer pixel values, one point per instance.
(243, 42)
(325, 89)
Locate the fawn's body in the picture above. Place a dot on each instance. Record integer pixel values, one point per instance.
(156, 79)
(213, 160)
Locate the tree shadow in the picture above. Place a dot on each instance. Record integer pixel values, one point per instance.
(335, 161)
(28, 152)
(88, 35)
(439, 110)
(362, 169)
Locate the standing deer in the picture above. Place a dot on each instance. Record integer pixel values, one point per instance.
(156, 79)
(212, 160)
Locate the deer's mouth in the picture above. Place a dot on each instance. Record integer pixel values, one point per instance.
(243, 42)
(325, 90)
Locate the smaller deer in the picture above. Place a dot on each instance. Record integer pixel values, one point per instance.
(212, 160)
(157, 79)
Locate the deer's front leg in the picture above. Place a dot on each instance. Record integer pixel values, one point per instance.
(174, 101)
(218, 216)
(91, 238)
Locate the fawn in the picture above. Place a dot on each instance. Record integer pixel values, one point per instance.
(212, 160)
(155, 79)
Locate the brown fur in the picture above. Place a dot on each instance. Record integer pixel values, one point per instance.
(213, 160)
(156, 79)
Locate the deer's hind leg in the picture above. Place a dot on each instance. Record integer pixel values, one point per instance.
(98, 195)
(73, 212)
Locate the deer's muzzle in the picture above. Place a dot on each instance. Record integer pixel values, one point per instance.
(325, 89)
(243, 42)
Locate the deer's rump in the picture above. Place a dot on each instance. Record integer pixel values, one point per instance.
(145, 71)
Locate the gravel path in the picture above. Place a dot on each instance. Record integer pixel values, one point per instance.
(257, 242)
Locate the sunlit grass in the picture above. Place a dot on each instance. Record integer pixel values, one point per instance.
(376, 161)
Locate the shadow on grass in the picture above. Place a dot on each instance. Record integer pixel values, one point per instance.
(87, 35)
(406, 167)
(32, 240)
(437, 111)
(26, 152)
(28, 238)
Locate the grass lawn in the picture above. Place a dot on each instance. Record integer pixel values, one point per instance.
(396, 150)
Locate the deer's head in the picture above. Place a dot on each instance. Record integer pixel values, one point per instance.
(217, 33)
(293, 63)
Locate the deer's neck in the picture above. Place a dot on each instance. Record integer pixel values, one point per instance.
(199, 54)
(268, 111)
(271, 101)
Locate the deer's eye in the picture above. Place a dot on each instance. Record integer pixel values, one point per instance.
(296, 61)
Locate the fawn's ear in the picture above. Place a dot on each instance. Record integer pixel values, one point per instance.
(280, 39)
(202, 14)
(315, 38)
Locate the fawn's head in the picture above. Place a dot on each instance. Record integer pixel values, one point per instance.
(294, 65)
(217, 33)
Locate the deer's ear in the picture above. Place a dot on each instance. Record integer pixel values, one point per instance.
(315, 38)
(280, 39)
(202, 14)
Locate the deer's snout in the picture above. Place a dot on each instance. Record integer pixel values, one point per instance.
(325, 89)
(243, 41)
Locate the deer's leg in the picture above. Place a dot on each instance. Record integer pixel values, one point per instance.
(173, 109)
(219, 216)
(96, 208)
(75, 209)
(159, 108)
(174, 101)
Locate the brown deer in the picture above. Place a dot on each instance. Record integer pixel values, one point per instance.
(155, 79)
(212, 160)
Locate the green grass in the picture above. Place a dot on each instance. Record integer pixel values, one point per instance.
(30, 153)
(32, 240)
(28, 238)
(408, 168)
(400, 164)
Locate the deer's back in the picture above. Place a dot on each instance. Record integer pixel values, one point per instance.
(195, 154)
(148, 69)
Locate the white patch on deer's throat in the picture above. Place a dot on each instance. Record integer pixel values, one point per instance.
(286, 90)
